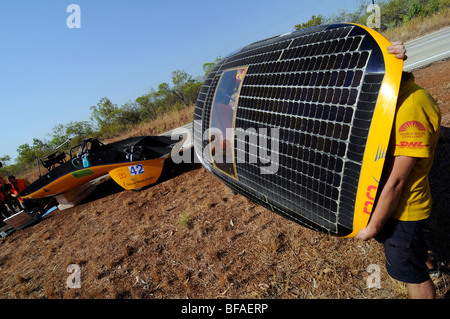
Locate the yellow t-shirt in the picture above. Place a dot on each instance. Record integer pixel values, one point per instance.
(415, 134)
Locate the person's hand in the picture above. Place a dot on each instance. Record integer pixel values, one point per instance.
(366, 234)
(398, 48)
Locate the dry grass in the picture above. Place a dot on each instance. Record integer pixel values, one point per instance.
(419, 26)
(162, 124)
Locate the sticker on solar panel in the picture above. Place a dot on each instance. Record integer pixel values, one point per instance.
(300, 123)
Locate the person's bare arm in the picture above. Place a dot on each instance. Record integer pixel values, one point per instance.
(397, 171)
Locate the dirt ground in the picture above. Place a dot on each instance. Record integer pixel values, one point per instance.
(188, 236)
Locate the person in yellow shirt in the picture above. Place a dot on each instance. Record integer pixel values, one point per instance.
(404, 203)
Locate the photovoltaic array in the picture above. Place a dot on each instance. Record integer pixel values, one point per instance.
(298, 109)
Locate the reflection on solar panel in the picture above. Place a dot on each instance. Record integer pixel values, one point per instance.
(300, 123)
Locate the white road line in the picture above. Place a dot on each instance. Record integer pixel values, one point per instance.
(427, 36)
(427, 59)
(426, 42)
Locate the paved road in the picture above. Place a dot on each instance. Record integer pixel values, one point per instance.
(427, 49)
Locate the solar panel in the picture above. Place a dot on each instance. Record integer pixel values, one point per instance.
(300, 123)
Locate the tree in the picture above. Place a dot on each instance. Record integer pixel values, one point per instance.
(342, 16)
(147, 106)
(180, 79)
(76, 131)
(5, 159)
(25, 154)
(155, 102)
(315, 20)
(192, 90)
(207, 68)
(104, 114)
(185, 87)
(82, 129)
(128, 115)
(58, 136)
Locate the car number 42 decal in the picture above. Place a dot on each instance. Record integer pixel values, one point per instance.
(136, 169)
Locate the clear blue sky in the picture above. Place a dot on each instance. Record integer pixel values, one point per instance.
(51, 74)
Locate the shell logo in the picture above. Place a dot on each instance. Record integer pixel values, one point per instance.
(412, 124)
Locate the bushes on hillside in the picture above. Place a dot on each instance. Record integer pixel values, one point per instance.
(394, 13)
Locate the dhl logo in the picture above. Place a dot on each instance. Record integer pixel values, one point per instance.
(412, 145)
